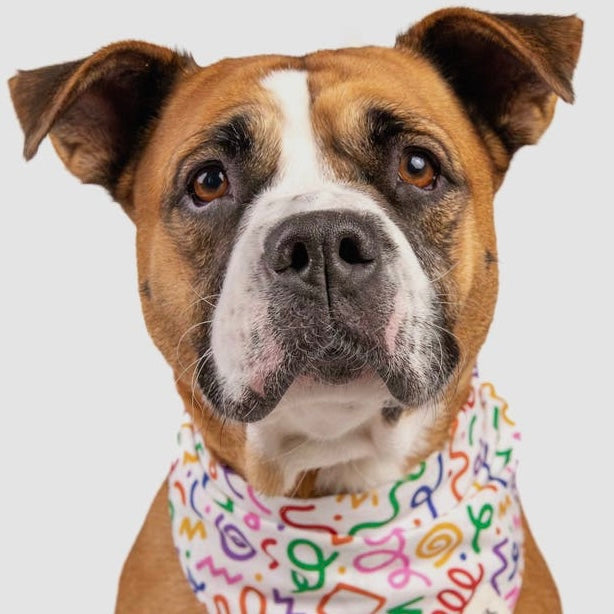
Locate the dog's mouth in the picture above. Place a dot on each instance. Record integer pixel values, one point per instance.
(338, 352)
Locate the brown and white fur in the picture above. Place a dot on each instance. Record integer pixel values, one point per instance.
(308, 381)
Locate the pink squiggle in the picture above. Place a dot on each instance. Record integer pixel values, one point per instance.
(512, 596)
(218, 571)
(517, 521)
(399, 577)
(258, 504)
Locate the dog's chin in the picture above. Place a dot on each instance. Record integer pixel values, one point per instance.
(407, 386)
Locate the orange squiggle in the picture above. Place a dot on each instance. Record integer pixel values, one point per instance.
(179, 486)
(454, 454)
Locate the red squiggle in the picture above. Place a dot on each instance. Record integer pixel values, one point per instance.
(336, 538)
(283, 512)
(269, 541)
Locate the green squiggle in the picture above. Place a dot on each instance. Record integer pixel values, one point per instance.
(171, 509)
(471, 425)
(319, 566)
(417, 474)
(392, 497)
(403, 608)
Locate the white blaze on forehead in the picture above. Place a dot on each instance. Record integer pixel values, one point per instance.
(301, 165)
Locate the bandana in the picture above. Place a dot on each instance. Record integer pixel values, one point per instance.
(445, 538)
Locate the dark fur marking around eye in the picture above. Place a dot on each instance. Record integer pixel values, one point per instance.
(249, 159)
(233, 137)
(383, 126)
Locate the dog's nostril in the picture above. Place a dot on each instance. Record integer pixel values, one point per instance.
(300, 257)
(349, 251)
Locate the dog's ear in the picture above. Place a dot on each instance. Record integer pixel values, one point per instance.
(97, 111)
(506, 69)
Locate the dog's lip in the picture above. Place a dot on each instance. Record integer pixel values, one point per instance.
(276, 382)
(273, 394)
(273, 390)
(254, 406)
(310, 380)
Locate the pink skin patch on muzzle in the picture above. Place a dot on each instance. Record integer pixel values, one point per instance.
(269, 359)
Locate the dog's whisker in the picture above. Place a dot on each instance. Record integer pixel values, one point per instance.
(445, 273)
(198, 370)
(187, 332)
(186, 369)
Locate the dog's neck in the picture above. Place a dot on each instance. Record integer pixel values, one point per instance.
(330, 440)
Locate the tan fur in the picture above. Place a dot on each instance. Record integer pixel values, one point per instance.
(152, 580)
(349, 79)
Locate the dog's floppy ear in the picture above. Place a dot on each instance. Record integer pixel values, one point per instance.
(506, 69)
(97, 110)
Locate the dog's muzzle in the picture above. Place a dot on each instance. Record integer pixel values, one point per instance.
(323, 286)
(329, 290)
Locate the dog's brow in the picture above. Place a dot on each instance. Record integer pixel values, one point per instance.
(233, 136)
(383, 124)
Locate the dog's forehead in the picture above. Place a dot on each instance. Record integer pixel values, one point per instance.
(343, 85)
(346, 79)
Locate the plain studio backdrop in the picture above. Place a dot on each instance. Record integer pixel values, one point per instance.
(88, 407)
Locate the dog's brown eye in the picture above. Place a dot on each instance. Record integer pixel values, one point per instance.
(209, 183)
(417, 167)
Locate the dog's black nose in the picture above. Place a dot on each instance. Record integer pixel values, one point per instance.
(324, 252)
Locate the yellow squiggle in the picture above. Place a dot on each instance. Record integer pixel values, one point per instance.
(502, 402)
(192, 529)
(440, 541)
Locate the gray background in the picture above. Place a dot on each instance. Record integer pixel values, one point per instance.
(87, 406)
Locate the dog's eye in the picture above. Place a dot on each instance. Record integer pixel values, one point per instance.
(418, 168)
(209, 183)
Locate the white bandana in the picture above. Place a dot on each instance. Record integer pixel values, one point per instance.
(445, 538)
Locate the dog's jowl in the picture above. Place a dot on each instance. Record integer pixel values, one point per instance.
(317, 263)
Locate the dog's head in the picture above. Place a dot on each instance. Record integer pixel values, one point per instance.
(306, 225)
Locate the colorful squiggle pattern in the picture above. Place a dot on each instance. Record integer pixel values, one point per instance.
(423, 544)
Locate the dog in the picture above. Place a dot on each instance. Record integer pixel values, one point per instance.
(317, 262)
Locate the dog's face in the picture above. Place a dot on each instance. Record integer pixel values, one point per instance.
(319, 224)
(328, 217)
